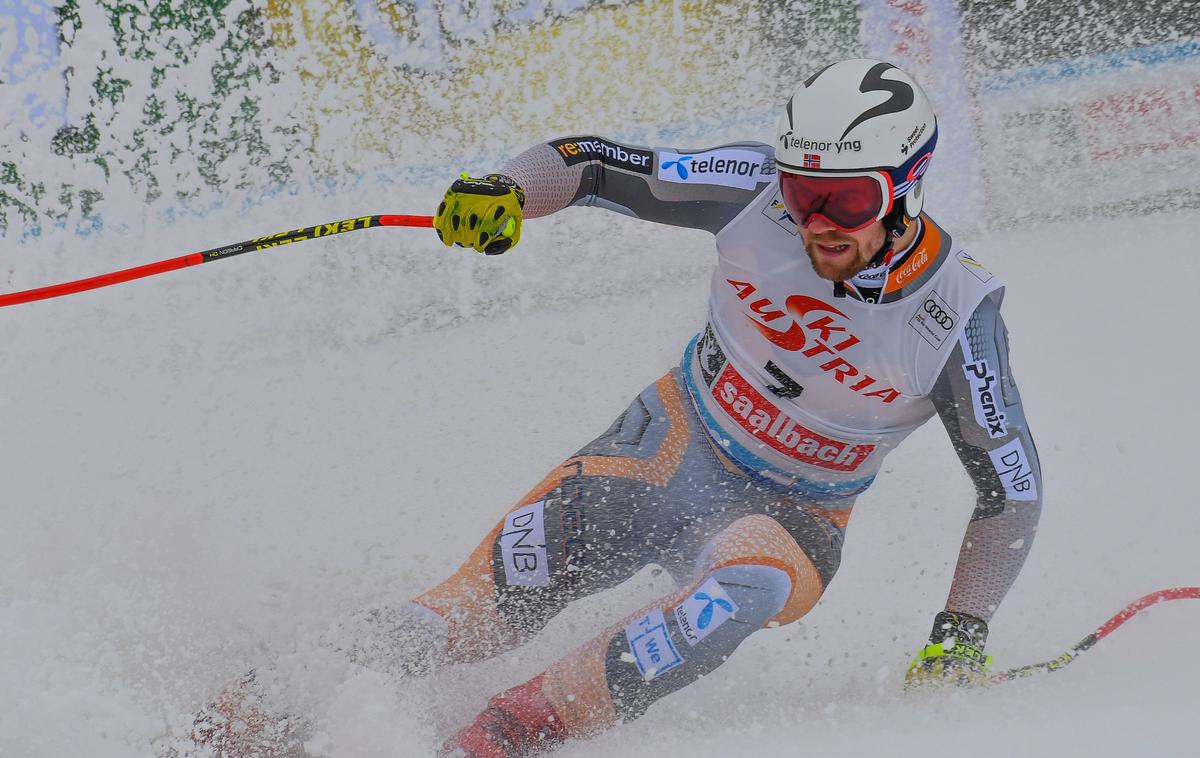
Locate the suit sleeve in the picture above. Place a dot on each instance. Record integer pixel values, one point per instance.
(697, 189)
(977, 399)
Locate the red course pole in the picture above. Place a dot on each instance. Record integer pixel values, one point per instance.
(215, 254)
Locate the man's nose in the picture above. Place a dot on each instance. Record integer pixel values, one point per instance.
(818, 224)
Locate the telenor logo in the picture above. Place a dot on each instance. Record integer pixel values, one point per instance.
(706, 614)
(743, 169)
(680, 165)
(703, 611)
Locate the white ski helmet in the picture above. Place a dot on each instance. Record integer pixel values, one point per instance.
(859, 117)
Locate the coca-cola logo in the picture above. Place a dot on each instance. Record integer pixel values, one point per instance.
(914, 266)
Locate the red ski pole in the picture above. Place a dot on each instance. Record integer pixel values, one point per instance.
(215, 254)
(1107, 628)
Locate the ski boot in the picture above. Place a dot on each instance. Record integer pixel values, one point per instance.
(517, 723)
(239, 725)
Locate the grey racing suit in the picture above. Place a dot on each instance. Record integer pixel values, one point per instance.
(736, 471)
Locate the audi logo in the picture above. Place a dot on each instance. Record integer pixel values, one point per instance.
(939, 315)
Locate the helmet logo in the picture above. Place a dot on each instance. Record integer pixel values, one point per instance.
(901, 95)
(919, 167)
(807, 83)
(791, 142)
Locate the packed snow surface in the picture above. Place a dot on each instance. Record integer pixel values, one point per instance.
(203, 471)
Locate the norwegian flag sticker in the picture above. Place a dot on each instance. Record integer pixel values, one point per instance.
(812, 160)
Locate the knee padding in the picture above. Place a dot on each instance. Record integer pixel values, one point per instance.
(762, 541)
(759, 592)
(668, 648)
(818, 539)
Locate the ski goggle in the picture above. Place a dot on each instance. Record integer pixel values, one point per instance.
(850, 202)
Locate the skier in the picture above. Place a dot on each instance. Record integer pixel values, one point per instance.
(841, 318)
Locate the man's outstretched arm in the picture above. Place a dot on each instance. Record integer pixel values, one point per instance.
(699, 189)
(977, 399)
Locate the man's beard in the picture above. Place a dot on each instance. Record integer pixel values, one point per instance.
(845, 266)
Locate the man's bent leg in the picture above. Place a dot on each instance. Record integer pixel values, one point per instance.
(755, 573)
(571, 536)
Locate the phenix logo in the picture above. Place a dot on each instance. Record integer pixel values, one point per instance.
(987, 413)
(811, 317)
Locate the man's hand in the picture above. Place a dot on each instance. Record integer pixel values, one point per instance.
(954, 654)
(484, 214)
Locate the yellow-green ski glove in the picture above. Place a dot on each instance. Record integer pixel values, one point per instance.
(954, 654)
(483, 213)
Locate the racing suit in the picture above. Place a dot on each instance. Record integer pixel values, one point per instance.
(738, 469)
